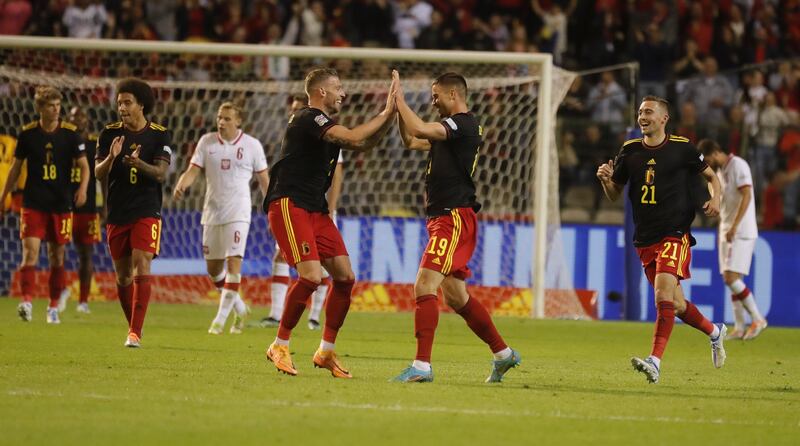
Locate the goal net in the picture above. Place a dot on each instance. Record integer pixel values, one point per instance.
(381, 211)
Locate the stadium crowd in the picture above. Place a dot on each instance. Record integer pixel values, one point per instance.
(730, 68)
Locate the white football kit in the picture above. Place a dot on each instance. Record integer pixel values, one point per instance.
(736, 255)
(229, 166)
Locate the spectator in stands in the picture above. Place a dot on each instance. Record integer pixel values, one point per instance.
(410, 17)
(653, 56)
(789, 147)
(764, 156)
(161, 16)
(691, 63)
(727, 50)
(574, 104)
(194, 21)
(687, 125)
(85, 19)
(370, 23)
(733, 134)
(711, 94)
(555, 24)
(14, 16)
(436, 35)
(607, 101)
(497, 30)
(313, 20)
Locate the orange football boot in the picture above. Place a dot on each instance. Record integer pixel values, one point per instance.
(328, 360)
(280, 356)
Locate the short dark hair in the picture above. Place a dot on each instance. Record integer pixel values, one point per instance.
(663, 102)
(140, 90)
(452, 79)
(709, 146)
(299, 98)
(318, 75)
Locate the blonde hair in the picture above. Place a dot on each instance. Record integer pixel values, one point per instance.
(232, 106)
(45, 94)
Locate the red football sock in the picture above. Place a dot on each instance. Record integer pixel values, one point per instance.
(140, 302)
(338, 303)
(27, 279)
(692, 316)
(86, 286)
(426, 318)
(58, 279)
(296, 300)
(479, 321)
(125, 294)
(664, 323)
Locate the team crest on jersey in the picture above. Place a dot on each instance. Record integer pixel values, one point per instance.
(306, 248)
(226, 164)
(321, 120)
(650, 176)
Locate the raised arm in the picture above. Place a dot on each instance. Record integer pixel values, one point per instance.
(364, 137)
(711, 207)
(186, 179)
(414, 126)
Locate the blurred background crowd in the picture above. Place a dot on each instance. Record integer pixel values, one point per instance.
(730, 68)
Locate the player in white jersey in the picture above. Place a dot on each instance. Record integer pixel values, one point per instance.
(229, 159)
(280, 269)
(738, 232)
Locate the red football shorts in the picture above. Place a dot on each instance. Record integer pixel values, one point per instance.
(303, 235)
(144, 234)
(671, 255)
(452, 240)
(86, 228)
(51, 227)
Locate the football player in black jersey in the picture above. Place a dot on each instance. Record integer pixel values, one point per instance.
(85, 219)
(298, 211)
(451, 205)
(659, 169)
(50, 147)
(133, 156)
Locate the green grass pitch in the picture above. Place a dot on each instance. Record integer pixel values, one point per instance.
(76, 384)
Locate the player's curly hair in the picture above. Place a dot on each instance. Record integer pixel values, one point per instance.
(45, 94)
(140, 90)
(318, 75)
(453, 80)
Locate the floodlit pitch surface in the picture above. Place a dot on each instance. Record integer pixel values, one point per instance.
(76, 384)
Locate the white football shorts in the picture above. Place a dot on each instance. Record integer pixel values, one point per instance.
(736, 256)
(222, 241)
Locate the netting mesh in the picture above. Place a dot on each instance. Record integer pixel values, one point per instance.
(381, 206)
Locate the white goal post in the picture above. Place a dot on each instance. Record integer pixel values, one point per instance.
(541, 74)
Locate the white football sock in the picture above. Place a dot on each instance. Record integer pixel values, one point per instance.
(738, 315)
(714, 334)
(239, 306)
(502, 354)
(326, 346)
(278, 290)
(749, 303)
(317, 300)
(279, 341)
(226, 300)
(421, 365)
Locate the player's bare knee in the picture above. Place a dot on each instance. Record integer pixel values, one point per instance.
(666, 294)
(423, 286)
